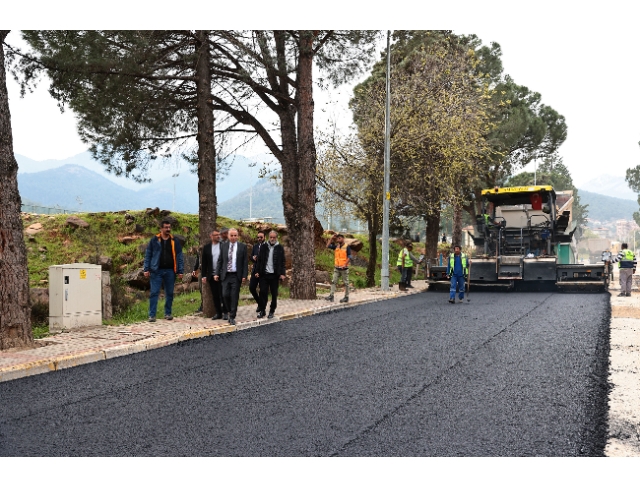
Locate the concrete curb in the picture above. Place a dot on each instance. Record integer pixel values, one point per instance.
(89, 356)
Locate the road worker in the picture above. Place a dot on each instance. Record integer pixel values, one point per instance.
(457, 271)
(627, 263)
(405, 266)
(342, 258)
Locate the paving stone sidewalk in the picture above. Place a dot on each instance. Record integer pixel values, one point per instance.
(86, 345)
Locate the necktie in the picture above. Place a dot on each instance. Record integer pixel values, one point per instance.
(230, 258)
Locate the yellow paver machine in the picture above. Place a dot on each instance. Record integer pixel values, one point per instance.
(524, 240)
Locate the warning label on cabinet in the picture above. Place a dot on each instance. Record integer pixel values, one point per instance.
(83, 273)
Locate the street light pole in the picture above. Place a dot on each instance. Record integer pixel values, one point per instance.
(384, 272)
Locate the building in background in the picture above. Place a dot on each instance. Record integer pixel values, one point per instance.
(625, 229)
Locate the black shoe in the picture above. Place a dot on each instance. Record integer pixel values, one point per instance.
(168, 317)
(232, 321)
(344, 300)
(621, 295)
(329, 298)
(261, 314)
(152, 319)
(628, 295)
(225, 316)
(270, 316)
(409, 286)
(258, 309)
(452, 301)
(217, 317)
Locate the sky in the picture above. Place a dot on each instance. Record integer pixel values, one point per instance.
(583, 61)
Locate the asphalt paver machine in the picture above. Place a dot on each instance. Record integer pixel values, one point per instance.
(524, 239)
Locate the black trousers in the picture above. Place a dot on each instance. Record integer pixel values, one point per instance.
(269, 284)
(231, 293)
(216, 292)
(253, 287)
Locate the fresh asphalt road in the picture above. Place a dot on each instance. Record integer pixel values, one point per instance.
(504, 375)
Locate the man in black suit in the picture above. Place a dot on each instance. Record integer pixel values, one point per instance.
(232, 272)
(271, 271)
(253, 280)
(210, 257)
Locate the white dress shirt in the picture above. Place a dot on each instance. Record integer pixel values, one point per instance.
(215, 255)
(233, 256)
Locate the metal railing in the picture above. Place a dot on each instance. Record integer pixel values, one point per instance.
(44, 210)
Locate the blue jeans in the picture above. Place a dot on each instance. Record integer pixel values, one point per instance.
(157, 279)
(457, 284)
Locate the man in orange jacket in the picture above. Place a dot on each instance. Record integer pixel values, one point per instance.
(342, 257)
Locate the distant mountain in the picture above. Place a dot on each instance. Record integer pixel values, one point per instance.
(236, 176)
(614, 186)
(265, 202)
(76, 188)
(606, 208)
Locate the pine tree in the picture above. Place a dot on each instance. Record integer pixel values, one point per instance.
(15, 318)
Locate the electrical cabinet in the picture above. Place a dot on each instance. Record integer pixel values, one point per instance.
(75, 296)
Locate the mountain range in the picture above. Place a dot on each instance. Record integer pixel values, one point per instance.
(608, 185)
(80, 183)
(605, 208)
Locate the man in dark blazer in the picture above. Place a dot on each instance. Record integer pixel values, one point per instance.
(232, 272)
(270, 270)
(210, 257)
(253, 280)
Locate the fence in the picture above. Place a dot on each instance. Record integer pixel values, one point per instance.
(43, 210)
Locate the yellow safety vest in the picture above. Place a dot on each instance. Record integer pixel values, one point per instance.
(407, 260)
(628, 256)
(463, 259)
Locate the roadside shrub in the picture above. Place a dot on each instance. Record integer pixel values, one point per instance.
(359, 282)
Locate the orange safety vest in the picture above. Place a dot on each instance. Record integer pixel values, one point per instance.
(340, 257)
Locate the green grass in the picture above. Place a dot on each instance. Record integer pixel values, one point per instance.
(59, 244)
(183, 304)
(40, 330)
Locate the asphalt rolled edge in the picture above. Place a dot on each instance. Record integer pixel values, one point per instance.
(596, 427)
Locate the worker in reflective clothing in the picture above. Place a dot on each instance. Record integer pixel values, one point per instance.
(342, 257)
(627, 264)
(405, 266)
(457, 271)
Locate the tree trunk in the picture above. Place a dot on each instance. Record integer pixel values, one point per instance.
(433, 232)
(373, 226)
(206, 155)
(457, 225)
(15, 312)
(299, 177)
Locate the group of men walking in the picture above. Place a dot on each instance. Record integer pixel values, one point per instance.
(224, 266)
